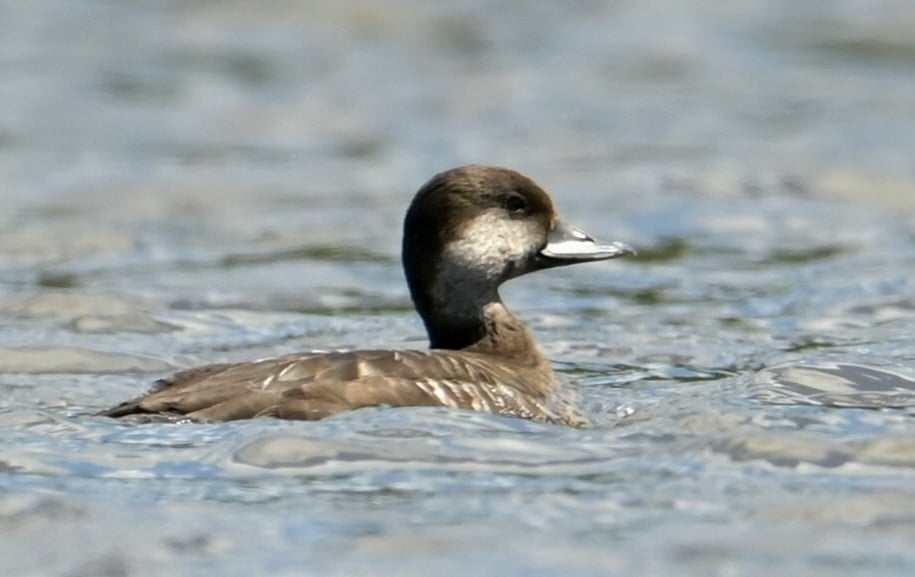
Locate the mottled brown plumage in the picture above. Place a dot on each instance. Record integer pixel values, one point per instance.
(467, 231)
(304, 386)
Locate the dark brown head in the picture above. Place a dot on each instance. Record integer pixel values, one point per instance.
(472, 228)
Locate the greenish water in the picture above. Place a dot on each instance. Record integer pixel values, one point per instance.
(187, 182)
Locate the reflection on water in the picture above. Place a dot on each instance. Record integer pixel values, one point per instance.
(192, 182)
(837, 385)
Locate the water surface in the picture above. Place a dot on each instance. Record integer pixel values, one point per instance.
(189, 182)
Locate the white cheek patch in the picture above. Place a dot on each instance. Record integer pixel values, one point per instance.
(474, 265)
(490, 243)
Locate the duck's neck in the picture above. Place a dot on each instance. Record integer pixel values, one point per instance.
(462, 310)
(491, 328)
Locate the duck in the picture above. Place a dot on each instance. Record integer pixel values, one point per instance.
(467, 231)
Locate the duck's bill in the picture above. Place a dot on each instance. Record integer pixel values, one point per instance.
(567, 243)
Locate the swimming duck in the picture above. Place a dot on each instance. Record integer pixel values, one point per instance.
(467, 231)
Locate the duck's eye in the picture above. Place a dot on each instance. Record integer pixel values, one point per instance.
(516, 204)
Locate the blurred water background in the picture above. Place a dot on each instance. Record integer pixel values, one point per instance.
(192, 181)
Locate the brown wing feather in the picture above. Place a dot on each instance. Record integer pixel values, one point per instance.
(314, 386)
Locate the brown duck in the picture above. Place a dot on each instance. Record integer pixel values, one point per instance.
(467, 231)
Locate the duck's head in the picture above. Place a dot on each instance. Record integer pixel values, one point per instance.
(472, 228)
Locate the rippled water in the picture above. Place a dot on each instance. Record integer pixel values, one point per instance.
(186, 182)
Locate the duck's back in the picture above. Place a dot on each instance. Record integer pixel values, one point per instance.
(314, 386)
